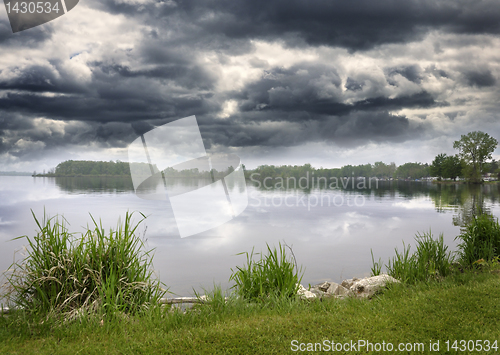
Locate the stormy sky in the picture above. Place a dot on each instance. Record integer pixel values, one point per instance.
(325, 82)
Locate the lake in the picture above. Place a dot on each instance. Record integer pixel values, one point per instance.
(331, 230)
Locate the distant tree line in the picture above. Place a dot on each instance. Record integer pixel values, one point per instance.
(474, 149)
(118, 168)
(470, 163)
(89, 168)
(379, 170)
(195, 173)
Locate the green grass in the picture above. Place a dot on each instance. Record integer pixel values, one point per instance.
(431, 260)
(274, 274)
(96, 272)
(480, 239)
(479, 246)
(463, 306)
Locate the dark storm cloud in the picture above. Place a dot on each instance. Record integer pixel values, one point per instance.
(115, 92)
(163, 75)
(121, 103)
(30, 138)
(37, 78)
(412, 73)
(371, 126)
(481, 78)
(141, 127)
(304, 103)
(353, 85)
(188, 77)
(290, 89)
(420, 100)
(349, 130)
(315, 89)
(355, 25)
(331, 107)
(33, 38)
(438, 73)
(108, 106)
(164, 81)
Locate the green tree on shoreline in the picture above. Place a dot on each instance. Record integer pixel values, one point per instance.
(474, 148)
(436, 168)
(447, 166)
(453, 167)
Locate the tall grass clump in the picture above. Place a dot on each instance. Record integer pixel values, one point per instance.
(480, 239)
(99, 271)
(430, 261)
(273, 275)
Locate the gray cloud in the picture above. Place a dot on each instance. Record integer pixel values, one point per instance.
(355, 128)
(356, 25)
(317, 91)
(353, 85)
(199, 58)
(32, 38)
(481, 78)
(412, 73)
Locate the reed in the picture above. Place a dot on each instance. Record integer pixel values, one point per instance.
(430, 261)
(273, 275)
(376, 268)
(97, 272)
(480, 239)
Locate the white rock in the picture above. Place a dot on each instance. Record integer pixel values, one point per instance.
(332, 289)
(318, 293)
(320, 289)
(305, 294)
(339, 291)
(324, 286)
(349, 282)
(367, 287)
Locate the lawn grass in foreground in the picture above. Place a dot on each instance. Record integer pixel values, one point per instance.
(462, 307)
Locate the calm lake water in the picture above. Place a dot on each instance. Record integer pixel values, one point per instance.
(331, 230)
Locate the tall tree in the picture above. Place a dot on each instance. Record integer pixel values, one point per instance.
(475, 148)
(436, 168)
(452, 167)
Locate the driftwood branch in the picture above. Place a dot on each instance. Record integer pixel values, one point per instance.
(180, 300)
(177, 300)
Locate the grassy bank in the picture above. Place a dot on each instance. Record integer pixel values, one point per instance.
(464, 306)
(95, 295)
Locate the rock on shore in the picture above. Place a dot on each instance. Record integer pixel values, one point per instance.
(359, 288)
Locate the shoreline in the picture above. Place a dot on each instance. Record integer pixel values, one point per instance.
(440, 182)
